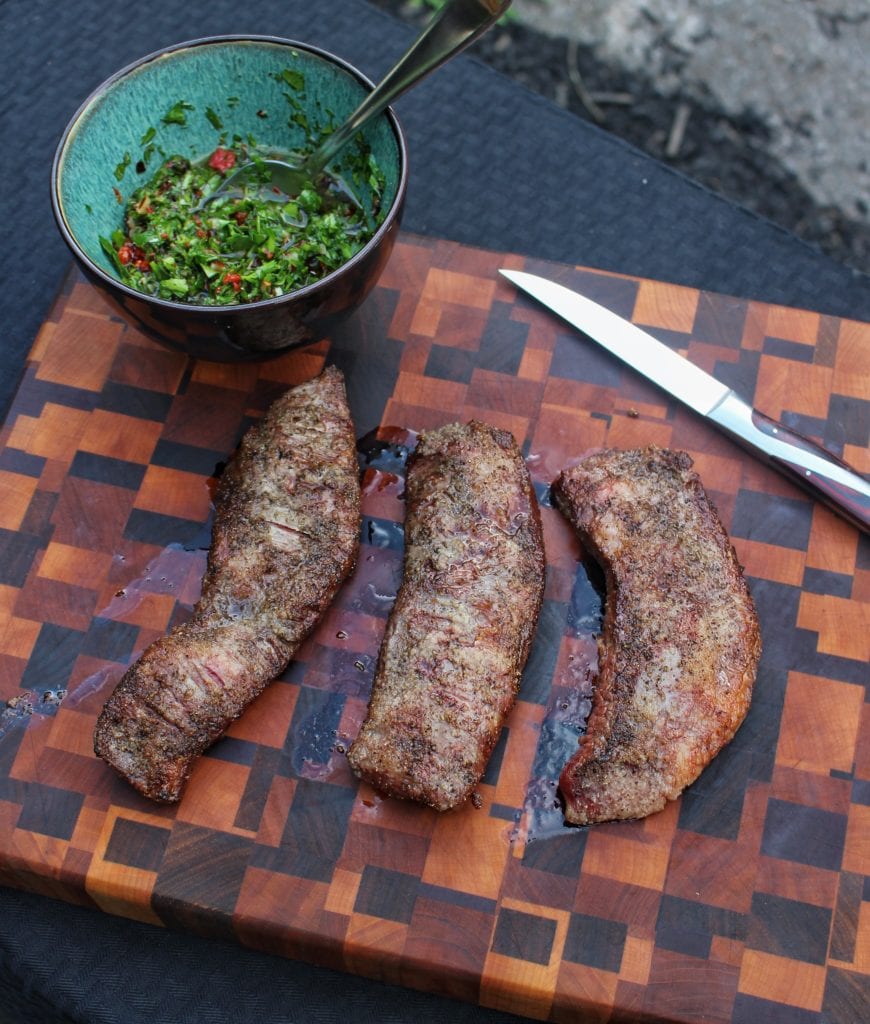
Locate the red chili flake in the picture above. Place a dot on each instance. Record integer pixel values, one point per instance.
(200, 233)
(131, 253)
(118, 195)
(222, 159)
(234, 279)
(240, 216)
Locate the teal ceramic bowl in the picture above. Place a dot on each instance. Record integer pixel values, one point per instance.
(226, 85)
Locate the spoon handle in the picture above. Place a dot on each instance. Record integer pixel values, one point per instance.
(455, 26)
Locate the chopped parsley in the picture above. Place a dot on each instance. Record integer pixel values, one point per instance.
(238, 248)
(295, 79)
(177, 114)
(121, 169)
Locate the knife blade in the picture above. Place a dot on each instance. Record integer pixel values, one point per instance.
(806, 463)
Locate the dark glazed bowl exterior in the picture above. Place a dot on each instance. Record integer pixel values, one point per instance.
(238, 333)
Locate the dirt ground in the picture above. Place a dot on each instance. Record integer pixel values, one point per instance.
(732, 99)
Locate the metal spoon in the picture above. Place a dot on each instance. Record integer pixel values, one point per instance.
(455, 26)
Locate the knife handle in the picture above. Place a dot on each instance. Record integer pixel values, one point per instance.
(853, 503)
(801, 460)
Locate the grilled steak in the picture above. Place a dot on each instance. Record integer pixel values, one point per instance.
(680, 640)
(285, 535)
(460, 630)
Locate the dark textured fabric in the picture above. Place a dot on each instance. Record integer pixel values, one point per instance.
(61, 964)
(491, 165)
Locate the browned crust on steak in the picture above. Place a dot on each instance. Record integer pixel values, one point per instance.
(459, 634)
(680, 640)
(285, 535)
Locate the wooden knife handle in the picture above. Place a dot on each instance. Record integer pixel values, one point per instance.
(850, 502)
(804, 462)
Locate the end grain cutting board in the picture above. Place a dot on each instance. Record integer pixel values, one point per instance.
(746, 900)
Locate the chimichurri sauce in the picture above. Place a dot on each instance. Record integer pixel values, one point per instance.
(241, 247)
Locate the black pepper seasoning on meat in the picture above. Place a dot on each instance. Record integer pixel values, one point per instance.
(286, 534)
(462, 625)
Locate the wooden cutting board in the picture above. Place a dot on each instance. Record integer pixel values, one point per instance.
(744, 901)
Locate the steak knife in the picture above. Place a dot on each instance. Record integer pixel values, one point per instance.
(806, 463)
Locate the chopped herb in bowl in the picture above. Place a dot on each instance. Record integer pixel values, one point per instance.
(241, 247)
(233, 277)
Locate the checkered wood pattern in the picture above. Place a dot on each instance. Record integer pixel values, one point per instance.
(746, 900)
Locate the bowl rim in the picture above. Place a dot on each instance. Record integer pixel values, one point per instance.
(235, 309)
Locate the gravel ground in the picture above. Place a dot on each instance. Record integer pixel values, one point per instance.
(766, 110)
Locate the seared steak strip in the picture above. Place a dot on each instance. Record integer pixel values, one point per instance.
(680, 639)
(460, 630)
(285, 535)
